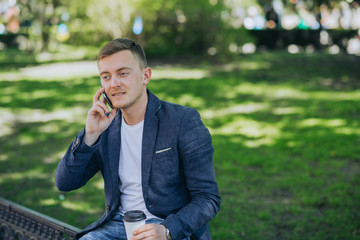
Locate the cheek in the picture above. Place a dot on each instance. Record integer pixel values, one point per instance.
(131, 82)
(105, 85)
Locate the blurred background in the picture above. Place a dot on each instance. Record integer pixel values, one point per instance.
(212, 27)
(276, 82)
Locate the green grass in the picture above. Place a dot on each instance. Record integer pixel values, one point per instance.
(285, 129)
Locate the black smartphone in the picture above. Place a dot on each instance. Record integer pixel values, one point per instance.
(107, 100)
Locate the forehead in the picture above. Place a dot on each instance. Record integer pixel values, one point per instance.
(121, 59)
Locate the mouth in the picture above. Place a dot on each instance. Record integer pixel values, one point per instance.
(118, 94)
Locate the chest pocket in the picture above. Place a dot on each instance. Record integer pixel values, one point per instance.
(166, 162)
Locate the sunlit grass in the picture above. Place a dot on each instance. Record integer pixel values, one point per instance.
(159, 72)
(312, 122)
(26, 174)
(53, 71)
(285, 131)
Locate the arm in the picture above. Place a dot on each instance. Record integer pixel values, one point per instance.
(78, 165)
(80, 161)
(196, 152)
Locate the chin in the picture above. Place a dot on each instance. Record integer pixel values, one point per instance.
(120, 106)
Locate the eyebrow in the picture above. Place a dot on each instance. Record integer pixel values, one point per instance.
(117, 70)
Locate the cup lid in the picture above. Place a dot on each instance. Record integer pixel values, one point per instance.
(134, 216)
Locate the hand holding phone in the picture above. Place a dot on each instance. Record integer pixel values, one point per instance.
(106, 97)
(99, 118)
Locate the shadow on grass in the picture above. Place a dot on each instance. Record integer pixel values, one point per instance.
(48, 95)
(30, 155)
(286, 190)
(285, 131)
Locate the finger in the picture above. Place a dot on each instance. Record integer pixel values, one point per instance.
(99, 110)
(143, 235)
(142, 229)
(98, 94)
(103, 106)
(112, 114)
(148, 231)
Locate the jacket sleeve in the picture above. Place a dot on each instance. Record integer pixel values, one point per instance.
(196, 152)
(78, 165)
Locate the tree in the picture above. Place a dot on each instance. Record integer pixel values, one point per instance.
(178, 26)
(40, 16)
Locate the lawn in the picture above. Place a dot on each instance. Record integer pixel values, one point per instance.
(285, 129)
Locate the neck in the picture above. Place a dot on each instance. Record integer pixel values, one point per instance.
(136, 113)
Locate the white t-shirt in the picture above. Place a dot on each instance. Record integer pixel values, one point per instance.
(130, 168)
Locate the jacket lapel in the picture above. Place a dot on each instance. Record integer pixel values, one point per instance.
(113, 141)
(149, 139)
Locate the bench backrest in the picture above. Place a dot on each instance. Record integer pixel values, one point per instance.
(19, 222)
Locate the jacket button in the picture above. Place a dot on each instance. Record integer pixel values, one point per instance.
(75, 144)
(107, 208)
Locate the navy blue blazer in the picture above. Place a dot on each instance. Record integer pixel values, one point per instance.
(178, 178)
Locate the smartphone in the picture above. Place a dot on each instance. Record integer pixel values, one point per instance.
(106, 98)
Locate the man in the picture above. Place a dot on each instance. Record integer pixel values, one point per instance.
(154, 156)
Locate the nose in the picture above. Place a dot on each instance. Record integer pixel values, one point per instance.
(116, 81)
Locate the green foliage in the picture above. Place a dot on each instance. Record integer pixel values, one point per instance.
(285, 131)
(170, 27)
(178, 27)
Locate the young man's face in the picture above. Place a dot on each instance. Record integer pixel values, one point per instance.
(123, 79)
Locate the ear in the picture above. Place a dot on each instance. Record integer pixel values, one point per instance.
(147, 75)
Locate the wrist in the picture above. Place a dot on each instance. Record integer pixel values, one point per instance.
(167, 233)
(90, 139)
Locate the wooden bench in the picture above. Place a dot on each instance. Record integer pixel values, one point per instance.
(18, 222)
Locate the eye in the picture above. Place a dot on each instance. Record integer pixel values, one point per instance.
(123, 74)
(105, 77)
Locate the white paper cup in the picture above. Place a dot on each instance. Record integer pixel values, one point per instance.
(133, 220)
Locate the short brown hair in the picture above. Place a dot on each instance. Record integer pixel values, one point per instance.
(120, 44)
